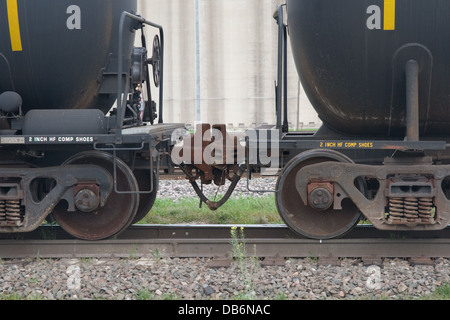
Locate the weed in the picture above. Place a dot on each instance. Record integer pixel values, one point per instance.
(442, 292)
(144, 294)
(248, 266)
(134, 253)
(156, 254)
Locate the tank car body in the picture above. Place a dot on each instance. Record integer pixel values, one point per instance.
(65, 155)
(351, 57)
(54, 53)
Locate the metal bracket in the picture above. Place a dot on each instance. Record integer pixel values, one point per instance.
(122, 101)
(345, 174)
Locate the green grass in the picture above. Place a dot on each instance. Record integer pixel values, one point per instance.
(16, 296)
(441, 293)
(249, 210)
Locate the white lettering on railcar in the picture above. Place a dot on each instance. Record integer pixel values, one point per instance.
(74, 21)
(374, 21)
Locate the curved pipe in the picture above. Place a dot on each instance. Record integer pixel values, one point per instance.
(214, 205)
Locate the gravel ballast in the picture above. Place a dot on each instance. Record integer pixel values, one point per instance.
(195, 279)
(176, 189)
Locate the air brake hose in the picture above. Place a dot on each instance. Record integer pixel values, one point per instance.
(214, 205)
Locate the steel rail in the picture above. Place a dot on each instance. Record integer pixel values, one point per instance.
(269, 242)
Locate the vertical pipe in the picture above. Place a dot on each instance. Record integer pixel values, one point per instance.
(120, 114)
(161, 74)
(285, 100)
(297, 126)
(279, 19)
(412, 100)
(197, 63)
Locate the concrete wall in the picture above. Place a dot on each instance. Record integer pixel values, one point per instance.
(221, 62)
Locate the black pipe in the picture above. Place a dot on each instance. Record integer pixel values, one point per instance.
(278, 16)
(285, 102)
(412, 100)
(161, 85)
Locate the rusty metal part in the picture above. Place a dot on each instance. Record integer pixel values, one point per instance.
(214, 205)
(224, 151)
(86, 195)
(227, 165)
(86, 200)
(411, 211)
(12, 213)
(301, 217)
(320, 195)
(115, 215)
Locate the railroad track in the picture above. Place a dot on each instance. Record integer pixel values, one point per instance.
(271, 243)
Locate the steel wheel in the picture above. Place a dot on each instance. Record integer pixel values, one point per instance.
(305, 220)
(119, 210)
(146, 200)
